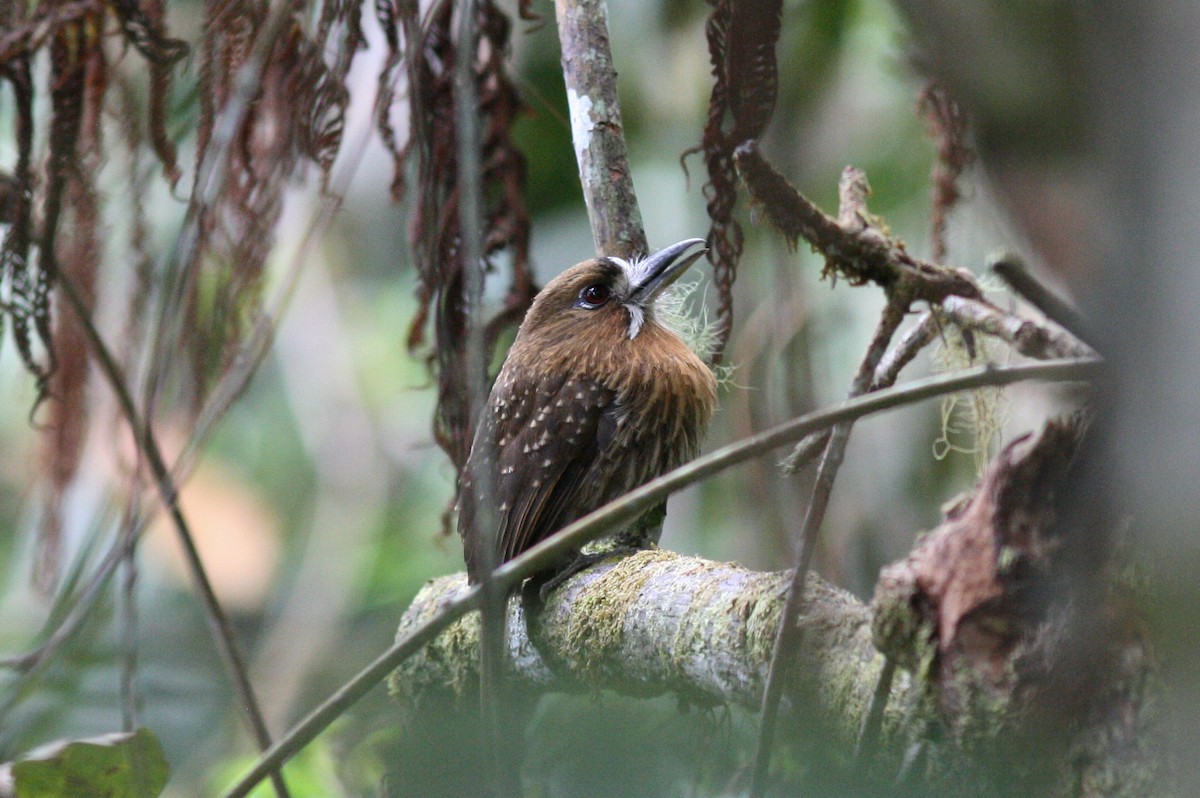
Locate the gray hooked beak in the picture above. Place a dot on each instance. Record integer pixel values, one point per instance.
(653, 274)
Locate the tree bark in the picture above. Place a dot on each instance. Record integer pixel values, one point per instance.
(655, 622)
(597, 129)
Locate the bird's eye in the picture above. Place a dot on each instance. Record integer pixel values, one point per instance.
(593, 296)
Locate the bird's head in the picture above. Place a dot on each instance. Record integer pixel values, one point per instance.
(607, 295)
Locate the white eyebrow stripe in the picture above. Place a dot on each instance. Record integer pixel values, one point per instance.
(634, 268)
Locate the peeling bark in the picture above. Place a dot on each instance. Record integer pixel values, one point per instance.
(1037, 677)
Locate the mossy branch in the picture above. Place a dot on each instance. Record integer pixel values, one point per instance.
(657, 622)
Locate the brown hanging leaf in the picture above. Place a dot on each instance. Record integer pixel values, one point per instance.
(947, 123)
(25, 301)
(73, 254)
(144, 29)
(385, 93)
(296, 116)
(741, 47)
(434, 226)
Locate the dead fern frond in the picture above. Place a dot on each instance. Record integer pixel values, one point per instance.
(433, 223)
(741, 47)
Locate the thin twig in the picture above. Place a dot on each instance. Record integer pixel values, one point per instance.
(790, 637)
(1027, 337)
(129, 618)
(868, 737)
(853, 246)
(219, 624)
(906, 349)
(504, 775)
(1012, 271)
(805, 452)
(632, 505)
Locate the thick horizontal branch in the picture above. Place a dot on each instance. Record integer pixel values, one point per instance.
(996, 671)
(659, 622)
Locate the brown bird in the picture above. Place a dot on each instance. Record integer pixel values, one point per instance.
(595, 398)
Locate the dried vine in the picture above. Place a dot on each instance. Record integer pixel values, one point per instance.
(741, 46)
(947, 124)
(434, 227)
(72, 197)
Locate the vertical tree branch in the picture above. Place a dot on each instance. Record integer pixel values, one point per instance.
(505, 777)
(596, 128)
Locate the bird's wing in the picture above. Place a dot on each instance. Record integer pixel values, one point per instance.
(546, 438)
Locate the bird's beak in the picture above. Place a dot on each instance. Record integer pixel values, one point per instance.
(656, 272)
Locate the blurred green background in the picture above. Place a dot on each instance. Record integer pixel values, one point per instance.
(318, 503)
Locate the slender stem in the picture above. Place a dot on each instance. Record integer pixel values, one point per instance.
(1013, 272)
(129, 619)
(1027, 337)
(219, 623)
(505, 776)
(631, 505)
(906, 349)
(868, 737)
(790, 636)
(886, 373)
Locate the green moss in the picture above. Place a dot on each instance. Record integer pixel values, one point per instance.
(595, 628)
(898, 631)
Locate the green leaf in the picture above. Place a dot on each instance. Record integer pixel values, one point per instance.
(127, 765)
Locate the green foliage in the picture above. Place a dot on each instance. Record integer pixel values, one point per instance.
(127, 765)
(311, 774)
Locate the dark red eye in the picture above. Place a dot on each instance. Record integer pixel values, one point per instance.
(594, 295)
